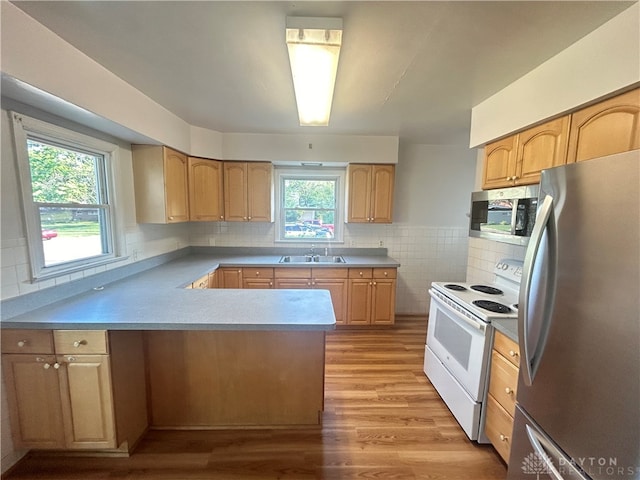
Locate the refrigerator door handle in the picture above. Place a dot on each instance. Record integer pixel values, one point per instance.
(531, 354)
(550, 456)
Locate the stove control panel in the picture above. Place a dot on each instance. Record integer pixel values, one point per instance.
(509, 268)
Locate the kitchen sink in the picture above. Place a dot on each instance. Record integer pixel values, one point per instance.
(312, 259)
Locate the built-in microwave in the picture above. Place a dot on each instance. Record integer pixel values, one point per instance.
(504, 215)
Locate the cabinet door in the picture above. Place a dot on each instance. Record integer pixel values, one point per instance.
(499, 163)
(206, 199)
(383, 302)
(338, 289)
(235, 191)
(230, 278)
(259, 192)
(33, 395)
(609, 127)
(359, 193)
(214, 279)
(176, 186)
(382, 195)
(359, 302)
(293, 283)
(544, 146)
(87, 404)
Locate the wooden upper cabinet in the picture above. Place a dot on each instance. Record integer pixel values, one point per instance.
(544, 146)
(206, 199)
(519, 159)
(500, 163)
(370, 193)
(248, 191)
(161, 184)
(606, 128)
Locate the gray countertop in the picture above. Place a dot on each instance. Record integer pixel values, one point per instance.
(157, 300)
(508, 326)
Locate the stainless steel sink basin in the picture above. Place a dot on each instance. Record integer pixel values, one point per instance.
(312, 259)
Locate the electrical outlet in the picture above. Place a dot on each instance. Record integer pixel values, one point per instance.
(135, 255)
(352, 243)
(381, 243)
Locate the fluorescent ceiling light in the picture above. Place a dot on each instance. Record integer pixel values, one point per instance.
(314, 48)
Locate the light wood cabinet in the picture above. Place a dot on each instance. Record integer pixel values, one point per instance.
(519, 159)
(161, 184)
(257, 278)
(67, 395)
(369, 193)
(229, 277)
(606, 128)
(248, 191)
(202, 283)
(206, 198)
(501, 399)
(332, 279)
(371, 296)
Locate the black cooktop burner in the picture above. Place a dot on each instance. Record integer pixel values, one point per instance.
(492, 306)
(486, 289)
(453, 286)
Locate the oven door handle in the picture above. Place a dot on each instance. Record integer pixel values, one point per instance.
(477, 325)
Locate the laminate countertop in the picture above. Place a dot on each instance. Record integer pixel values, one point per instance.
(157, 299)
(508, 326)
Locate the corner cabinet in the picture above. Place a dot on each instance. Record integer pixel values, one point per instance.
(248, 191)
(519, 159)
(206, 199)
(75, 389)
(606, 128)
(161, 184)
(369, 193)
(501, 399)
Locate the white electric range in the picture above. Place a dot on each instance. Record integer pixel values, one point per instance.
(459, 336)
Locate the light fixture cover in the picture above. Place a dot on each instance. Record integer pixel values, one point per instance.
(314, 49)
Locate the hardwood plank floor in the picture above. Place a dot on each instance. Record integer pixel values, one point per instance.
(382, 420)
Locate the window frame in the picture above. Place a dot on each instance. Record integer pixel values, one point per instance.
(305, 173)
(25, 128)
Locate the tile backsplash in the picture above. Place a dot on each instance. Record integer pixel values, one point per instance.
(483, 256)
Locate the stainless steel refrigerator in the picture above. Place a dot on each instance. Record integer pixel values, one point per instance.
(578, 398)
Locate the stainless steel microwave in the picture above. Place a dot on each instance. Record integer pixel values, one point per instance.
(504, 215)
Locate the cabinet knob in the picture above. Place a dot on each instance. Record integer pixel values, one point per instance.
(257, 274)
(271, 284)
(78, 343)
(375, 283)
(22, 343)
(249, 218)
(513, 353)
(504, 438)
(308, 284)
(386, 274)
(46, 366)
(221, 217)
(313, 283)
(508, 391)
(361, 273)
(71, 359)
(244, 218)
(56, 365)
(370, 283)
(170, 218)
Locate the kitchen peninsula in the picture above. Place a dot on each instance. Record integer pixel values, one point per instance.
(147, 352)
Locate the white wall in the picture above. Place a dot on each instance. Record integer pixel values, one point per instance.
(605, 60)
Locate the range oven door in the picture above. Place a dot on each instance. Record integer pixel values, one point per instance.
(461, 344)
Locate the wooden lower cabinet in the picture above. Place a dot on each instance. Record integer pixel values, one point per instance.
(79, 400)
(371, 296)
(257, 277)
(229, 277)
(501, 399)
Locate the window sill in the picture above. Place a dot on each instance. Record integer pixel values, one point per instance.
(43, 276)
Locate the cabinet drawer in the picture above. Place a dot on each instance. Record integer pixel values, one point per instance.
(503, 382)
(507, 347)
(360, 273)
(499, 427)
(330, 273)
(27, 341)
(80, 341)
(249, 273)
(292, 272)
(385, 273)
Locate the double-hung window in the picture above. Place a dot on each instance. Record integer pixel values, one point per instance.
(309, 205)
(67, 202)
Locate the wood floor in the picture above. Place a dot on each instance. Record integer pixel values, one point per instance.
(382, 420)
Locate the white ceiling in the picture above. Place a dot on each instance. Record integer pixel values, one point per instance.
(411, 69)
